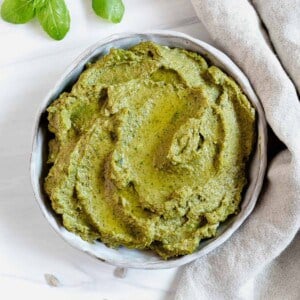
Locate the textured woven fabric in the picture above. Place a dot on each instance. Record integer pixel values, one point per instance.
(261, 260)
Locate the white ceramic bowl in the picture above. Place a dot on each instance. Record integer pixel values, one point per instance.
(134, 258)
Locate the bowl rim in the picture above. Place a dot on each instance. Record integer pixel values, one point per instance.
(235, 72)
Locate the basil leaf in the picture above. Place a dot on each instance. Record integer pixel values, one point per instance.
(39, 3)
(112, 10)
(17, 11)
(55, 18)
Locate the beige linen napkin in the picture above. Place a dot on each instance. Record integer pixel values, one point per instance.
(263, 38)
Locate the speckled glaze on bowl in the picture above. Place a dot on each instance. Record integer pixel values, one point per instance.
(124, 257)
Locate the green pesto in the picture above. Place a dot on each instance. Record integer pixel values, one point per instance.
(149, 150)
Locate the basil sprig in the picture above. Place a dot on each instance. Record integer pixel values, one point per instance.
(53, 15)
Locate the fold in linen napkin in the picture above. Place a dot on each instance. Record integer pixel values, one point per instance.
(244, 266)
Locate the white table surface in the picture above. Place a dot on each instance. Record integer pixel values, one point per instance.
(30, 64)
